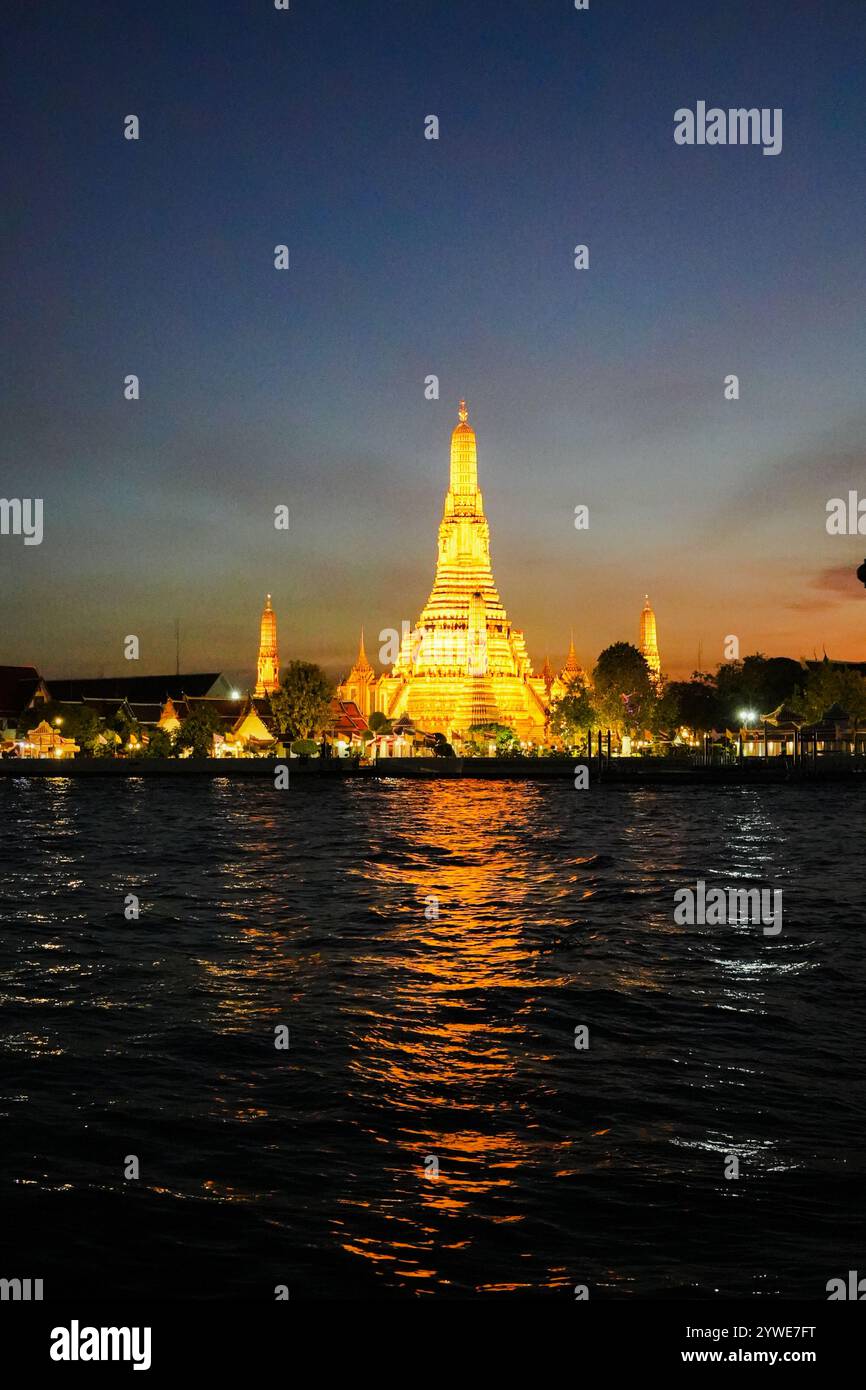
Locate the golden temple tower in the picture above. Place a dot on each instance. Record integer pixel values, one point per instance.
(572, 670)
(268, 670)
(464, 663)
(648, 641)
(360, 684)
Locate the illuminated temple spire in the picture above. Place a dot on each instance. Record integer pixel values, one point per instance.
(268, 670)
(648, 640)
(360, 684)
(464, 465)
(362, 665)
(463, 664)
(464, 579)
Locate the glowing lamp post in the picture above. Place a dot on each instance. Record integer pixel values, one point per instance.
(747, 720)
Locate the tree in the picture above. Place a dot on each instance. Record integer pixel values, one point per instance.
(159, 744)
(490, 731)
(125, 726)
(502, 735)
(302, 705)
(84, 729)
(106, 743)
(114, 731)
(831, 683)
(756, 683)
(574, 714)
(695, 704)
(507, 744)
(664, 717)
(197, 731)
(624, 692)
(305, 748)
(380, 723)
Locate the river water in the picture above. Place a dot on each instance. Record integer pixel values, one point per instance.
(431, 949)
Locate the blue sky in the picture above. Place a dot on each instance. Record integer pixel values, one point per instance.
(411, 257)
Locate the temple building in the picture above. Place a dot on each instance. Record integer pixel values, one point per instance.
(464, 663)
(649, 646)
(248, 734)
(572, 671)
(559, 684)
(46, 741)
(359, 687)
(268, 669)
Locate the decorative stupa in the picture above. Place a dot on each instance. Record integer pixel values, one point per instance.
(649, 641)
(464, 663)
(268, 668)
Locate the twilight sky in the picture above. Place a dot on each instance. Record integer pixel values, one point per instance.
(410, 257)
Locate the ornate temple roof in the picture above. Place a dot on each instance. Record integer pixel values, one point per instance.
(572, 666)
(362, 666)
(346, 718)
(464, 661)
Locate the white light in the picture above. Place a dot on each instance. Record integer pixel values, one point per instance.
(236, 695)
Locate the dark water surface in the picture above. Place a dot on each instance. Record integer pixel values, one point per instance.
(415, 1038)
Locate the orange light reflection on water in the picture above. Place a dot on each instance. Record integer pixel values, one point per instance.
(451, 1041)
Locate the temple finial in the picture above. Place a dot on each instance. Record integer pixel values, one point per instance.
(268, 665)
(649, 643)
(362, 665)
(464, 465)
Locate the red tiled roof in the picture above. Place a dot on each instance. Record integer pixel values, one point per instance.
(346, 718)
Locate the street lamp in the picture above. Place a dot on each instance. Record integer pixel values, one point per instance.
(747, 720)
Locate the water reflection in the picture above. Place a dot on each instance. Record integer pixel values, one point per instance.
(450, 1044)
(431, 949)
